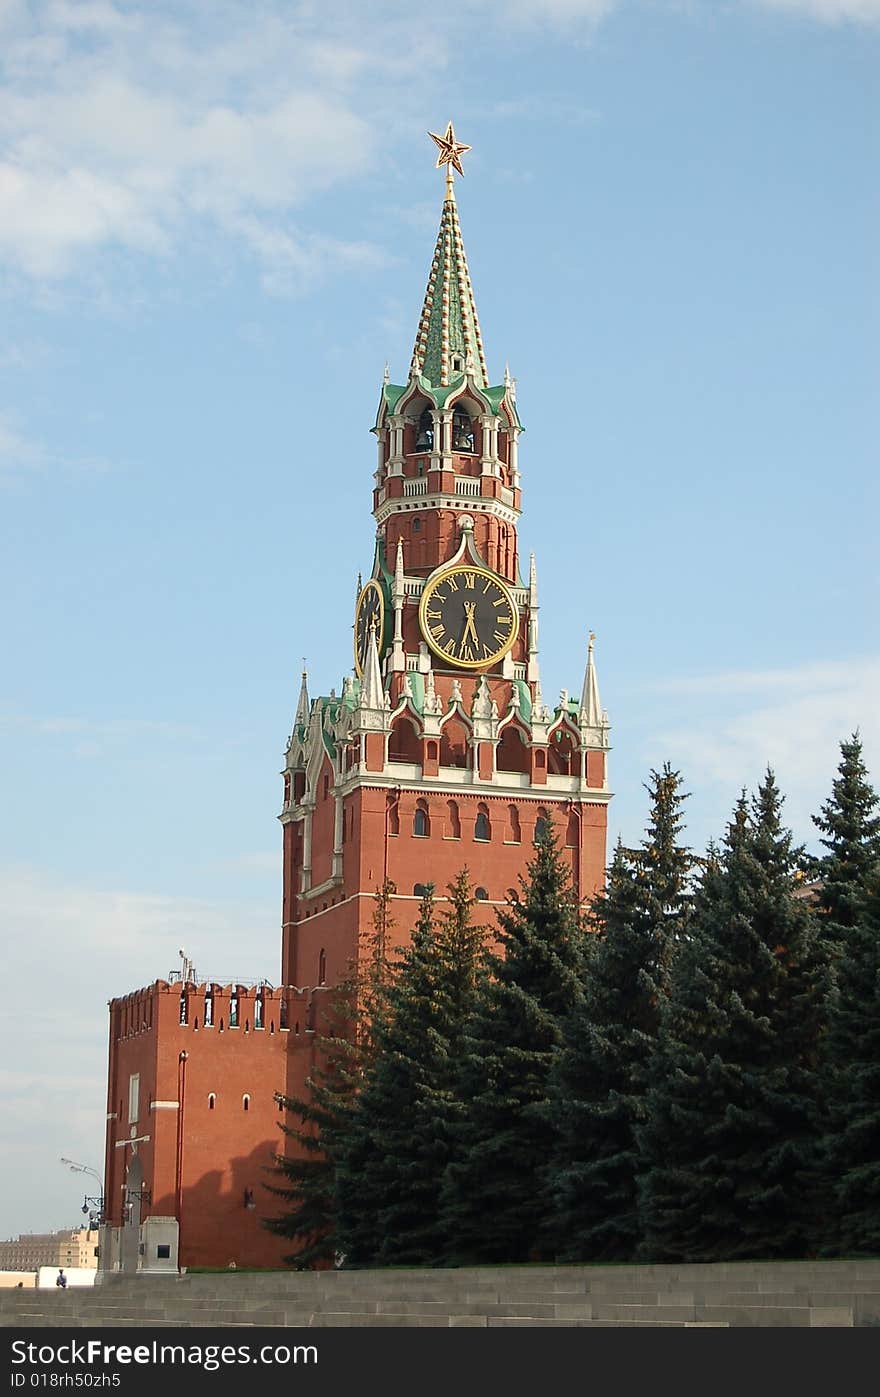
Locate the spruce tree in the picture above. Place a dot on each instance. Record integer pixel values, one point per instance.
(405, 1102)
(321, 1123)
(851, 1155)
(492, 1202)
(850, 825)
(599, 1077)
(316, 1124)
(729, 1138)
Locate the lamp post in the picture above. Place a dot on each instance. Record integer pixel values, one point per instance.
(182, 1060)
(94, 1206)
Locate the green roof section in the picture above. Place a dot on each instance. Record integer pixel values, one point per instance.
(392, 393)
(525, 698)
(417, 689)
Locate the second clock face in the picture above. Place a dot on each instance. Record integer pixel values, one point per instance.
(369, 616)
(468, 617)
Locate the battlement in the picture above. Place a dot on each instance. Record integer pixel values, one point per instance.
(236, 1007)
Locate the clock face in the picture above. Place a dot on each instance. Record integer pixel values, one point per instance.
(468, 617)
(369, 614)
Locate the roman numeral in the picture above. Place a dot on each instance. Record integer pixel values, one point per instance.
(466, 652)
(437, 597)
(486, 651)
(450, 648)
(489, 583)
(437, 632)
(433, 615)
(501, 601)
(452, 584)
(503, 620)
(500, 637)
(470, 580)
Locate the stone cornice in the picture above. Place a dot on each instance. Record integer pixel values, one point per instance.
(472, 504)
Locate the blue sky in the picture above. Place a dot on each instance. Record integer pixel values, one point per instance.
(216, 222)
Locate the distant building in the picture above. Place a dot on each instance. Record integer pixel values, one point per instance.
(32, 1250)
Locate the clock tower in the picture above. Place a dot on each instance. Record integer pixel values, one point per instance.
(440, 752)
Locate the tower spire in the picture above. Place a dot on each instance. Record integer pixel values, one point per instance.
(372, 688)
(303, 705)
(448, 342)
(590, 710)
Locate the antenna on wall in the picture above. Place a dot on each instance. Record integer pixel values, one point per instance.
(187, 969)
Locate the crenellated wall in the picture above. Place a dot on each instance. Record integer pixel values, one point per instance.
(204, 1128)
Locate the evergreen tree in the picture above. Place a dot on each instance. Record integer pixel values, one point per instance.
(492, 1207)
(729, 1137)
(405, 1102)
(850, 825)
(321, 1123)
(852, 1054)
(317, 1123)
(599, 1078)
(665, 865)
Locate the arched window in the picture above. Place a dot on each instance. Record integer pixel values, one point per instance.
(453, 822)
(482, 827)
(542, 826)
(572, 831)
(420, 890)
(563, 758)
(454, 744)
(417, 525)
(392, 812)
(404, 745)
(481, 895)
(212, 1101)
(512, 754)
(421, 822)
(233, 1009)
(513, 833)
(322, 968)
(245, 1102)
(462, 431)
(425, 433)
(258, 1009)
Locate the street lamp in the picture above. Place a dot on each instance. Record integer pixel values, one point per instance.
(94, 1207)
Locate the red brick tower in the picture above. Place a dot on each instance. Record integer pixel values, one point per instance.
(440, 751)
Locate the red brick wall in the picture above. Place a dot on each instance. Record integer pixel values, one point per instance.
(225, 1149)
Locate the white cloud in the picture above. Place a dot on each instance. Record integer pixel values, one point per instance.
(792, 720)
(831, 11)
(20, 455)
(99, 943)
(818, 676)
(128, 126)
(16, 452)
(121, 128)
(555, 13)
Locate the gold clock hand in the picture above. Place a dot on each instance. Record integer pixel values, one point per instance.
(469, 608)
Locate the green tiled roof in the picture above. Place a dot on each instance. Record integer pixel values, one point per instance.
(449, 326)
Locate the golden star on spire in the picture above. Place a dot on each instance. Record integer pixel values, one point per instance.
(451, 151)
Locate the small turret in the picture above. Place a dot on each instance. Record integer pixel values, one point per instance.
(303, 704)
(372, 689)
